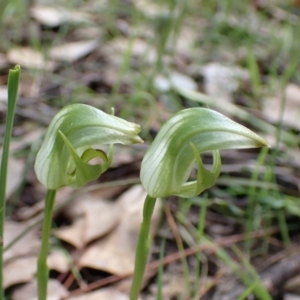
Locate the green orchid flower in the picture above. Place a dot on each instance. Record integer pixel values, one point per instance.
(64, 157)
(167, 164)
(68, 145)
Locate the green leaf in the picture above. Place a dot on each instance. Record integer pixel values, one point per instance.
(69, 142)
(167, 164)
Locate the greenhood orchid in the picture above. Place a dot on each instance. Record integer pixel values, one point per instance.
(63, 160)
(67, 147)
(167, 164)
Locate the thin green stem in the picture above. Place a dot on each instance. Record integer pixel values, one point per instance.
(42, 268)
(13, 84)
(142, 249)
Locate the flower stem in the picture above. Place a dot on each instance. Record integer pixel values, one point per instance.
(142, 249)
(42, 268)
(13, 84)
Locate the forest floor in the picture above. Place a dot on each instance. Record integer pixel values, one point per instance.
(148, 60)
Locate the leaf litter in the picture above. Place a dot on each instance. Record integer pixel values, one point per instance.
(87, 53)
(289, 102)
(20, 259)
(56, 291)
(103, 294)
(57, 16)
(14, 175)
(114, 253)
(71, 52)
(91, 218)
(31, 59)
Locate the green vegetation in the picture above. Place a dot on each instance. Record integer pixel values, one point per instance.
(166, 165)
(64, 156)
(13, 85)
(153, 59)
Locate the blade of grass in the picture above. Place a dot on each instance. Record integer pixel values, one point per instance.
(252, 276)
(247, 292)
(284, 230)
(247, 278)
(252, 199)
(254, 74)
(13, 85)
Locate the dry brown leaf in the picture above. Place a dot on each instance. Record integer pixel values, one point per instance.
(139, 50)
(221, 81)
(115, 252)
(172, 284)
(151, 9)
(71, 52)
(58, 260)
(87, 32)
(124, 155)
(56, 291)
(113, 50)
(29, 244)
(93, 217)
(184, 81)
(164, 84)
(28, 212)
(293, 285)
(291, 297)
(186, 41)
(19, 270)
(3, 95)
(291, 115)
(29, 58)
(27, 139)
(14, 174)
(73, 234)
(109, 192)
(124, 285)
(56, 16)
(3, 62)
(35, 211)
(103, 294)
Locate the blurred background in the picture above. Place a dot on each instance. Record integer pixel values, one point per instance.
(148, 60)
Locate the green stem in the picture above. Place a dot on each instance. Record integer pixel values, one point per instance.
(42, 268)
(13, 84)
(142, 249)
